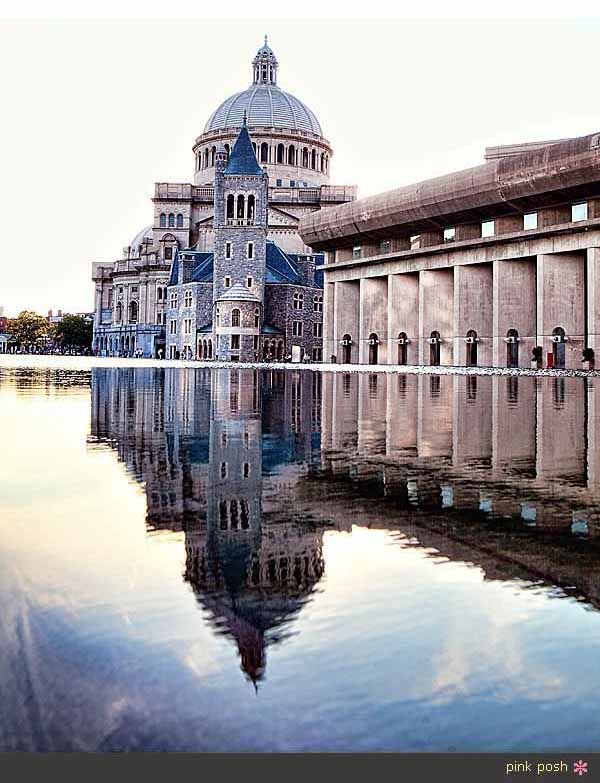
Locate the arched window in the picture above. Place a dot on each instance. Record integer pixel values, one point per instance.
(213, 152)
(434, 349)
(264, 152)
(305, 158)
(251, 206)
(326, 163)
(291, 155)
(230, 206)
(298, 300)
(163, 220)
(512, 348)
(119, 313)
(210, 349)
(180, 220)
(235, 317)
(254, 147)
(227, 149)
(558, 346)
(373, 348)
(205, 158)
(313, 159)
(240, 207)
(280, 153)
(471, 341)
(256, 317)
(133, 312)
(171, 220)
(322, 161)
(318, 303)
(402, 348)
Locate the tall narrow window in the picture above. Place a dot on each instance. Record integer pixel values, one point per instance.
(434, 348)
(180, 220)
(512, 348)
(230, 206)
(163, 220)
(251, 206)
(171, 220)
(264, 152)
(227, 249)
(235, 317)
(240, 207)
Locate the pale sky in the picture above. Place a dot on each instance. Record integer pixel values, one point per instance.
(96, 111)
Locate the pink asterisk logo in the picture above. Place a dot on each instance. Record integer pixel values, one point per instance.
(580, 767)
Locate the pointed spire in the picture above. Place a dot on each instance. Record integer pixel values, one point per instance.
(242, 159)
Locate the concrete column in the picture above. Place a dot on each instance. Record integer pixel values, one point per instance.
(472, 419)
(593, 301)
(560, 303)
(473, 307)
(346, 318)
(403, 315)
(507, 224)
(401, 418)
(373, 317)
(436, 312)
(434, 416)
(551, 216)
(467, 231)
(433, 237)
(514, 297)
(513, 426)
(372, 406)
(329, 310)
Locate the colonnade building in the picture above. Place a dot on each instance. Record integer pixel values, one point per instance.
(496, 265)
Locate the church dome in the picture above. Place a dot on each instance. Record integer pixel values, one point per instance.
(266, 104)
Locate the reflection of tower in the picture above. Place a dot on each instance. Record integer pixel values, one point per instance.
(252, 574)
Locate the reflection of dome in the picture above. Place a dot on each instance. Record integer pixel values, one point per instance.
(145, 233)
(265, 105)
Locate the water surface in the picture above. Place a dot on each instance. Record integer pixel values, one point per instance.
(244, 560)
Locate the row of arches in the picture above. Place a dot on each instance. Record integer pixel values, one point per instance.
(171, 220)
(240, 207)
(282, 154)
(205, 349)
(273, 350)
(132, 312)
(123, 345)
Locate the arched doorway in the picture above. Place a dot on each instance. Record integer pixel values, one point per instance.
(558, 346)
(512, 348)
(402, 348)
(347, 349)
(471, 341)
(373, 348)
(434, 348)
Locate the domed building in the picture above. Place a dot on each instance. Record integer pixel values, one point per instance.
(136, 295)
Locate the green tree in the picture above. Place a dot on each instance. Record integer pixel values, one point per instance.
(28, 328)
(73, 331)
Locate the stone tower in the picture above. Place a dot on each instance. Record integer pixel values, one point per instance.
(240, 244)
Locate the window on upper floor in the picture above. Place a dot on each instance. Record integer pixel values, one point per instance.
(168, 253)
(298, 300)
(250, 250)
(579, 212)
(297, 328)
(249, 282)
(227, 249)
(227, 282)
(171, 220)
(173, 326)
(173, 302)
(488, 228)
(385, 246)
(318, 303)
(163, 220)
(530, 221)
(235, 317)
(318, 329)
(357, 251)
(449, 234)
(187, 298)
(235, 342)
(180, 220)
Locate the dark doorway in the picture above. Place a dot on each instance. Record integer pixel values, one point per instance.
(512, 348)
(434, 349)
(558, 347)
(347, 349)
(402, 348)
(471, 341)
(373, 348)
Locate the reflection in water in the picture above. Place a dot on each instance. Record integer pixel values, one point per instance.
(198, 443)
(380, 554)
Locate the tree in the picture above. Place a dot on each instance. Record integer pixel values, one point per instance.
(73, 331)
(28, 328)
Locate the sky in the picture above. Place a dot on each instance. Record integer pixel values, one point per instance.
(97, 110)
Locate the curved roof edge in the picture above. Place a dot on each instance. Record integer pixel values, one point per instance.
(544, 176)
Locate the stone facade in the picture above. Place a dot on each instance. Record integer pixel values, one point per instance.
(294, 155)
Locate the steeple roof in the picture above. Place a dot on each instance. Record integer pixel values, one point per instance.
(242, 159)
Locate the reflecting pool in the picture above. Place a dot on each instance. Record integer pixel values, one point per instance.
(242, 560)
